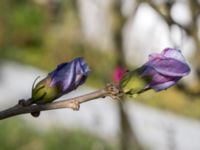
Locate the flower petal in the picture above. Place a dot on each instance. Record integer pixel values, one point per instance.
(163, 86)
(82, 66)
(169, 67)
(70, 75)
(154, 56)
(156, 77)
(173, 53)
(159, 81)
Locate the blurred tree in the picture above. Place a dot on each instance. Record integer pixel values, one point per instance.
(128, 137)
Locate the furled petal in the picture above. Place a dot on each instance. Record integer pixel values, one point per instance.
(155, 56)
(156, 77)
(70, 75)
(84, 67)
(163, 86)
(82, 70)
(60, 73)
(159, 81)
(173, 53)
(169, 67)
(67, 79)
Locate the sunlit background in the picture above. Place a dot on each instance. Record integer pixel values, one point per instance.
(37, 35)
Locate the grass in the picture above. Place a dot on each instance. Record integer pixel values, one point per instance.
(15, 134)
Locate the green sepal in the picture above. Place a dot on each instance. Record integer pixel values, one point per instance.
(132, 83)
(44, 93)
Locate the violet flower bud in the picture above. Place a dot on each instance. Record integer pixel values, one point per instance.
(159, 73)
(64, 79)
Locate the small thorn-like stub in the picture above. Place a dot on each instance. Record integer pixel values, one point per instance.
(75, 105)
(21, 102)
(35, 114)
(24, 103)
(114, 91)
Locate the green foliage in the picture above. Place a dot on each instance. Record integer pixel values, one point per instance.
(26, 18)
(16, 135)
(27, 23)
(22, 24)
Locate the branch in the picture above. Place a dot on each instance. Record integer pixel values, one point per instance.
(109, 90)
(167, 16)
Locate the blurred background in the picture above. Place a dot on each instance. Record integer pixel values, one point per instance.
(37, 35)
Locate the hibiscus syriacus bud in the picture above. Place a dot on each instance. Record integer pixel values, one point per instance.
(65, 78)
(159, 73)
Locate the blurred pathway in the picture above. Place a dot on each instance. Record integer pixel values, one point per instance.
(158, 130)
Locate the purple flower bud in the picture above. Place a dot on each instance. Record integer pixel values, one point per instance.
(165, 69)
(69, 75)
(65, 78)
(160, 72)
